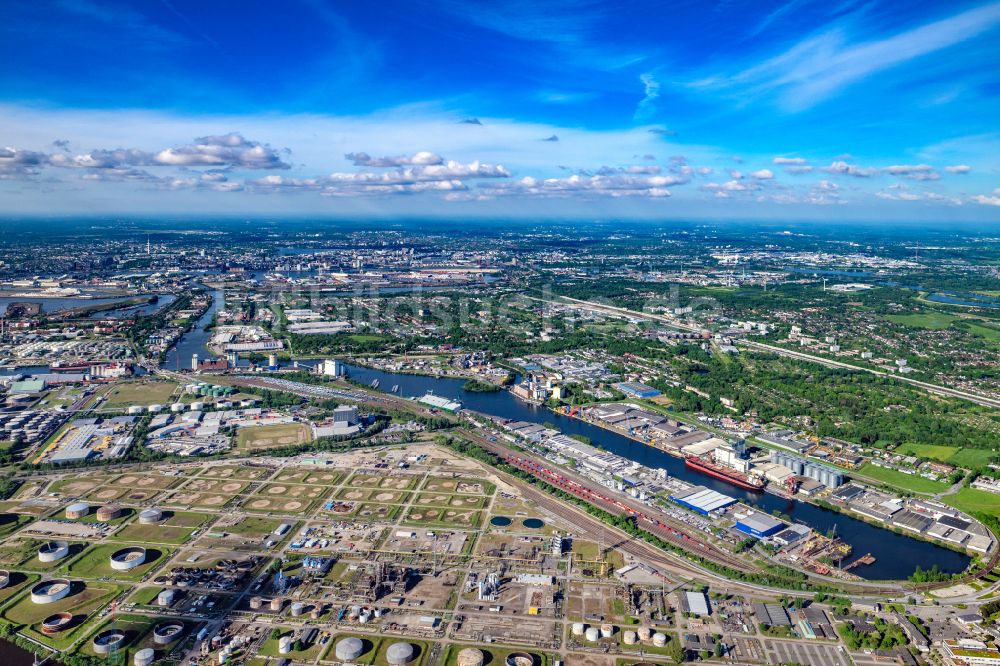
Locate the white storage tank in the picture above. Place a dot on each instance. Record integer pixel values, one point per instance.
(607, 630)
(592, 634)
(155, 409)
(135, 409)
(77, 510)
(349, 649)
(579, 628)
(285, 644)
(399, 654)
(645, 633)
(150, 516)
(470, 657)
(630, 638)
(177, 407)
(659, 640)
(144, 657)
(165, 597)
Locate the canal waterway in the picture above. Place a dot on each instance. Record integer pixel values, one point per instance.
(13, 655)
(195, 339)
(896, 556)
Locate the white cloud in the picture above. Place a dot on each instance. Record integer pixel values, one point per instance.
(844, 168)
(821, 65)
(15, 163)
(651, 90)
(422, 157)
(987, 200)
(798, 169)
(222, 150)
(789, 160)
(762, 174)
(958, 168)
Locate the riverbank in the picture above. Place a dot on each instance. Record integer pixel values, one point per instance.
(829, 506)
(896, 555)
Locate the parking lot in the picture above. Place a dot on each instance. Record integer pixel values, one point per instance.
(781, 652)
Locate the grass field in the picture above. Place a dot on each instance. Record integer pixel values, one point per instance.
(253, 527)
(973, 458)
(930, 451)
(12, 521)
(970, 458)
(82, 602)
(18, 581)
(263, 437)
(972, 500)
(175, 530)
(891, 477)
(139, 393)
(929, 320)
(990, 332)
(95, 563)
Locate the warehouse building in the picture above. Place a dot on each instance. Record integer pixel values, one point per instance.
(703, 500)
(759, 525)
(637, 390)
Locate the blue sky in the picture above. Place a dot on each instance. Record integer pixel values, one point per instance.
(801, 109)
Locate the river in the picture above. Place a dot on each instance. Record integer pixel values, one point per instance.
(896, 555)
(195, 339)
(12, 655)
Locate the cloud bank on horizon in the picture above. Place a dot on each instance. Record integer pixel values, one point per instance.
(796, 109)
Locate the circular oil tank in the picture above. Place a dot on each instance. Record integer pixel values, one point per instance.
(150, 516)
(165, 597)
(592, 634)
(4, 578)
(77, 510)
(135, 409)
(52, 551)
(166, 633)
(109, 512)
(500, 521)
(630, 638)
(277, 603)
(56, 622)
(399, 654)
(108, 640)
(533, 523)
(197, 406)
(285, 644)
(49, 591)
(128, 558)
(645, 633)
(470, 657)
(177, 407)
(579, 628)
(256, 603)
(144, 657)
(349, 649)
(659, 640)
(520, 659)
(607, 630)
(298, 608)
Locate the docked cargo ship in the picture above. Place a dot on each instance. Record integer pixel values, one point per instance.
(745, 481)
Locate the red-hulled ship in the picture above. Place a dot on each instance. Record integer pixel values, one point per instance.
(728, 475)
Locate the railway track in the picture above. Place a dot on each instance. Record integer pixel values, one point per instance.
(655, 556)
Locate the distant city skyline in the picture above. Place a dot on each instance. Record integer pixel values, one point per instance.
(797, 110)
